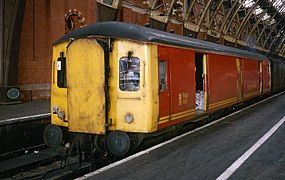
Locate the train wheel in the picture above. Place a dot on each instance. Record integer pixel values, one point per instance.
(53, 135)
(100, 144)
(118, 143)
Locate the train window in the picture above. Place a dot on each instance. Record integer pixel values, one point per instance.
(162, 75)
(129, 74)
(61, 72)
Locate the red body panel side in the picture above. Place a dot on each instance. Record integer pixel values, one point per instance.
(250, 78)
(229, 81)
(222, 81)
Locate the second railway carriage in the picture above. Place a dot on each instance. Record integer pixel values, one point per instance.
(278, 74)
(117, 81)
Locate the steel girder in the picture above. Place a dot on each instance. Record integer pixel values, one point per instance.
(256, 23)
(161, 10)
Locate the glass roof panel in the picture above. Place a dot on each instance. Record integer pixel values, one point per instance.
(265, 17)
(279, 5)
(258, 10)
(248, 3)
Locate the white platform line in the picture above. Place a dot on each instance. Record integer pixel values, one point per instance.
(167, 142)
(249, 152)
(12, 120)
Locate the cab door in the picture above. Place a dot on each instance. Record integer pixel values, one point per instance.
(164, 86)
(85, 87)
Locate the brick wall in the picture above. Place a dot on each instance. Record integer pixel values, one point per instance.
(34, 66)
(44, 22)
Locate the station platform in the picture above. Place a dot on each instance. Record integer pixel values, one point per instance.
(22, 125)
(24, 110)
(248, 144)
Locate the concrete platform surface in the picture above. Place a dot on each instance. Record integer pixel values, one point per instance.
(231, 146)
(24, 109)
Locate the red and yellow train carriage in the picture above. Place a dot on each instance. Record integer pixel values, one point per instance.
(116, 81)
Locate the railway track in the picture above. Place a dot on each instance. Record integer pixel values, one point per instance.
(27, 161)
(50, 163)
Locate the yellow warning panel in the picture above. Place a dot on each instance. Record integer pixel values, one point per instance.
(85, 91)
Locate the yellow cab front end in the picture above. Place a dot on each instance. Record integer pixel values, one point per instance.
(107, 91)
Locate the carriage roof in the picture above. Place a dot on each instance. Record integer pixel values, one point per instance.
(139, 33)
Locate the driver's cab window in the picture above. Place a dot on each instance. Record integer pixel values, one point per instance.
(61, 71)
(129, 68)
(162, 75)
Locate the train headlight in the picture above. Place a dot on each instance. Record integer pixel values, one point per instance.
(129, 118)
(61, 115)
